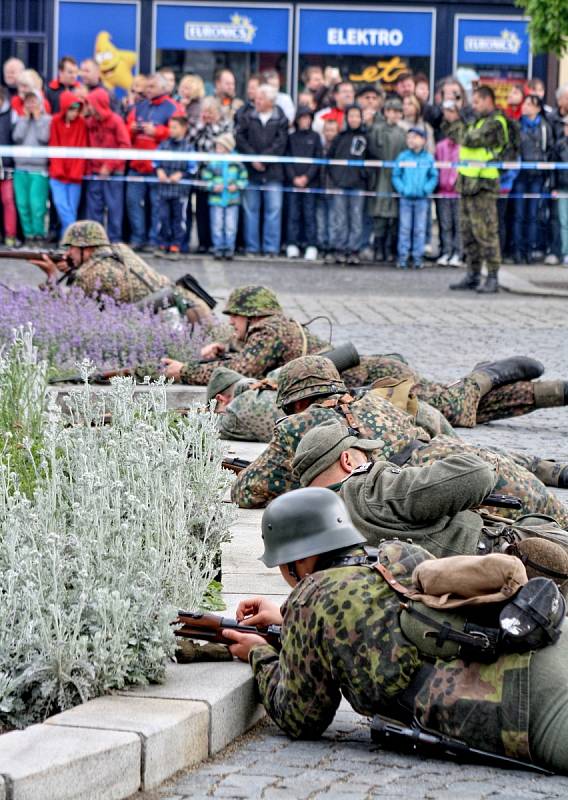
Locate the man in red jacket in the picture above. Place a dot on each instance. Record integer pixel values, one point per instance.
(67, 74)
(105, 129)
(68, 129)
(148, 126)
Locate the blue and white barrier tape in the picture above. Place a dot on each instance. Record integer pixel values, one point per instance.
(131, 154)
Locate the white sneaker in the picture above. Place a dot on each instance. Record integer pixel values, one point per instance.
(443, 260)
(311, 254)
(455, 261)
(551, 260)
(565, 261)
(428, 250)
(292, 251)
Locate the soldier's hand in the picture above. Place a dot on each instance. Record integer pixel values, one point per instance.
(48, 266)
(244, 643)
(258, 611)
(213, 350)
(171, 368)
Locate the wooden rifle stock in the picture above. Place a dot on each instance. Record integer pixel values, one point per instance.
(209, 628)
(21, 254)
(235, 465)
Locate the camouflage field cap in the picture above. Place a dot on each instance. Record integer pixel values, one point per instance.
(306, 522)
(86, 233)
(252, 301)
(308, 376)
(221, 379)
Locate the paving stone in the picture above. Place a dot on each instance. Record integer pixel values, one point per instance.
(174, 735)
(47, 762)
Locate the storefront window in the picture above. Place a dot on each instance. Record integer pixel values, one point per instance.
(495, 50)
(366, 45)
(202, 39)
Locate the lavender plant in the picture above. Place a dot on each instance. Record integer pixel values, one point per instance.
(71, 326)
(123, 527)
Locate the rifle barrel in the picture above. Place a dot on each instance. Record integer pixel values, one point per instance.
(28, 255)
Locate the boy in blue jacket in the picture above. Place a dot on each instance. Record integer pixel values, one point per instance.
(414, 184)
(225, 182)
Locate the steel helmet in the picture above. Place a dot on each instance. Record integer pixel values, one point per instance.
(306, 522)
(308, 376)
(252, 301)
(86, 233)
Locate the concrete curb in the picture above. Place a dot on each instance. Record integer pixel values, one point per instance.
(177, 396)
(113, 746)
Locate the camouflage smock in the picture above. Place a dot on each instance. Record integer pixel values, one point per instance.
(119, 272)
(341, 636)
(251, 414)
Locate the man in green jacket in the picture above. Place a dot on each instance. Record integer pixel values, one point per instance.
(341, 636)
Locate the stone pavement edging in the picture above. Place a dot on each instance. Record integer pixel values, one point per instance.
(113, 746)
(177, 395)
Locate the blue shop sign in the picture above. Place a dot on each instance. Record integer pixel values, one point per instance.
(493, 41)
(224, 28)
(360, 32)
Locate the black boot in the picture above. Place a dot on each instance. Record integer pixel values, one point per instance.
(563, 479)
(491, 285)
(469, 282)
(510, 370)
(379, 247)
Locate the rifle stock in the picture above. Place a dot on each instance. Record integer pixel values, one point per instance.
(235, 465)
(21, 254)
(209, 628)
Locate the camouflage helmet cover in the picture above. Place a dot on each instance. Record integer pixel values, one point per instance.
(86, 233)
(252, 301)
(308, 376)
(306, 522)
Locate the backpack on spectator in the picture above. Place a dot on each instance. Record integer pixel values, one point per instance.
(512, 149)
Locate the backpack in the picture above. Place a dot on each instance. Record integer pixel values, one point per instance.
(512, 149)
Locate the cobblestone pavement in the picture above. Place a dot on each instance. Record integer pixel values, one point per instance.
(444, 335)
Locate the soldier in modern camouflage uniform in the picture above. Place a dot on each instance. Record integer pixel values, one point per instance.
(481, 141)
(341, 636)
(101, 268)
(269, 339)
(428, 506)
(312, 391)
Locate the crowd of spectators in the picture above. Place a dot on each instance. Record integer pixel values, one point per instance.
(341, 213)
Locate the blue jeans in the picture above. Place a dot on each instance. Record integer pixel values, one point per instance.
(346, 222)
(412, 222)
(103, 194)
(302, 229)
(224, 222)
(137, 195)
(525, 212)
(323, 221)
(172, 212)
(272, 217)
(66, 198)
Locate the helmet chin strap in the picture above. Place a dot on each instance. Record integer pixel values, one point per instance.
(291, 566)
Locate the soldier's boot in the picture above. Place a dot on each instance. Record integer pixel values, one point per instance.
(489, 375)
(550, 394)
(491, 285)
(550, 472)
(470, 282)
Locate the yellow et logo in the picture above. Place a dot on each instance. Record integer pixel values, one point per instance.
(385, 71)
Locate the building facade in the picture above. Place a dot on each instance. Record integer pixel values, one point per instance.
(366, 41)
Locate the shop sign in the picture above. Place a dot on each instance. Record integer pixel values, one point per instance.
(106, 32)
(492, 41)
(361, 32)
(207, 27)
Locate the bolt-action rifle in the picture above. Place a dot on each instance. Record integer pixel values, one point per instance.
(20, 254)
(209, 628)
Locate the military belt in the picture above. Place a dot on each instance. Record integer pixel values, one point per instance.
(403, 457)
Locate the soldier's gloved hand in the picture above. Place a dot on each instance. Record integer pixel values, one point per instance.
(244, 643)
(171, 368)
(259, 611)
(213, 350)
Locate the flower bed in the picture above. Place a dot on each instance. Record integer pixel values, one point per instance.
(69, 326)
(105, 530)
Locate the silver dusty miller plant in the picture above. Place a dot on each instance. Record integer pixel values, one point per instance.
(122, 528)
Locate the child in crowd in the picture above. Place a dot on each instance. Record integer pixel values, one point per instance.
(172, 194)
(561, 154)
(302, 228)
(347, 207)
(31, 184)
(447, 207)
(323, 201)
(68, 129)
(225, 182)
(7, 204)
(414, 184)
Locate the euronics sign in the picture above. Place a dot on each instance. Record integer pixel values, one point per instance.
(261, 29)
(360, 31)
(502, 41)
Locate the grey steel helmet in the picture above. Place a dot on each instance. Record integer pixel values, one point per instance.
(306, 522)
